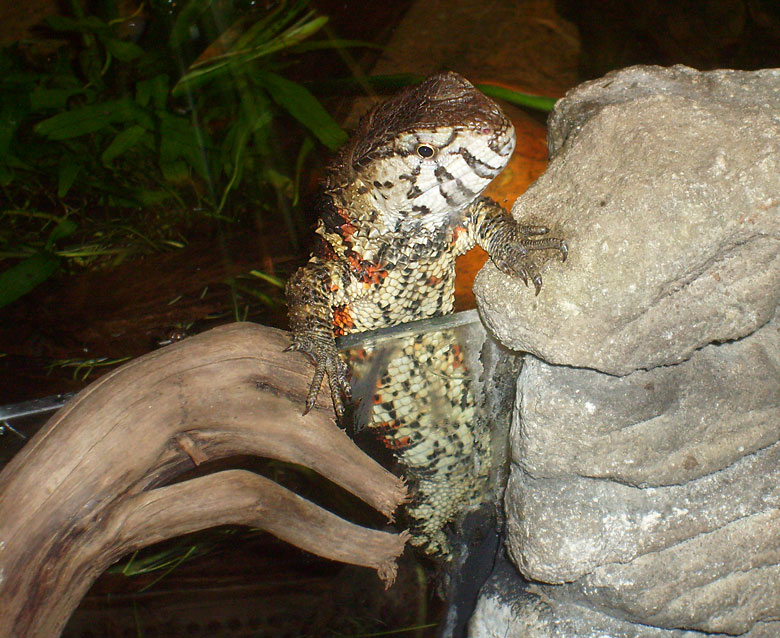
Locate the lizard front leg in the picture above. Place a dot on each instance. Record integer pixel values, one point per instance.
(311, 294)
(508, 243)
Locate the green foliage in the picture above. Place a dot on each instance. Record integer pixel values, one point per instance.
(135, 140)
(537, 102)
(400, 80)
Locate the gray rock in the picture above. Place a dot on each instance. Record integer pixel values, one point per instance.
(704, 555)
(756, 91)
(533, 614)
(644, 494)
(664, 426)
(669, 197)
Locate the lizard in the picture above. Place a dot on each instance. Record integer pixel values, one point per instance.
(398, 203)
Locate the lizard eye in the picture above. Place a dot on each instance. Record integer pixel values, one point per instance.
(425, 150)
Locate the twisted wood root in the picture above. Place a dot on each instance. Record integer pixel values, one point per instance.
(95, 482)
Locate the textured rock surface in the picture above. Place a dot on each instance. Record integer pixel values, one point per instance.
(656, 427)
(644, 494)
(694, 544)
(669, 198)
(506, 611)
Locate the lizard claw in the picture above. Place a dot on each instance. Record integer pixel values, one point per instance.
(537, 279)
(513, 258)
(564, 250)
(314, 389)
(336, 370)
(326, 362)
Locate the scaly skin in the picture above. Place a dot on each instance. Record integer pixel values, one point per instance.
(401, 201)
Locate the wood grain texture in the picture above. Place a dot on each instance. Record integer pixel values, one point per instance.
(95, 483)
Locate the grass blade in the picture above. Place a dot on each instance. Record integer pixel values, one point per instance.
(29, 273)
(304, 107)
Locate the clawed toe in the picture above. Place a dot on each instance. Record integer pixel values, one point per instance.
(537, 283)
(564, 250)
(326, 362)
(514, 259)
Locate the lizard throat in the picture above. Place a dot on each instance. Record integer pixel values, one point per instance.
(399, 191)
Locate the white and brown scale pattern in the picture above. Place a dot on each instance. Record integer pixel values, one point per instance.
(423, 409)
(399, 203)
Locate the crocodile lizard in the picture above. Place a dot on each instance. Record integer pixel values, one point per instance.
(400, 201)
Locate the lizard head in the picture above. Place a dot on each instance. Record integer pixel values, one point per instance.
(425, 154)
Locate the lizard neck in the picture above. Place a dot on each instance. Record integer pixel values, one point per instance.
(366, 207)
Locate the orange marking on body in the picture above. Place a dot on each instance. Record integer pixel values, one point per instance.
(373, 273)
(397, 444)
(365, 271)
(324, 250)
(433, 280)
(456, 232)
(457, 356)
(347, 230)
(386, 434)
(358, 354)
(342, 320)
(354, 260)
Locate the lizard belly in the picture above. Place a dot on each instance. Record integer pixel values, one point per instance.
(422, 408)
(407, 293)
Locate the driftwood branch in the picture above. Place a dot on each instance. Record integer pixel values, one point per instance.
(93, 485)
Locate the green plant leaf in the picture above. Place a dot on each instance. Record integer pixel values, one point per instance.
(306, 148)
(123, 141)
(151, 198)
(89, 24)
(66, 175)
(160, 88)
(538, 102)
(91, 118)
(174, 171)
(23, 277)
(279, 181)
(154, 89)
(184, 21)
(271, 24)
(6, 174)
(64, 229)
(304, 107)
(300, 31)
(14, 108)
(86, 119)
(7, 130)
(143, 92)
(41, 98)
(123, 50)
(179, 140)
(254, 115)
(236, 59)
(271, 279)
